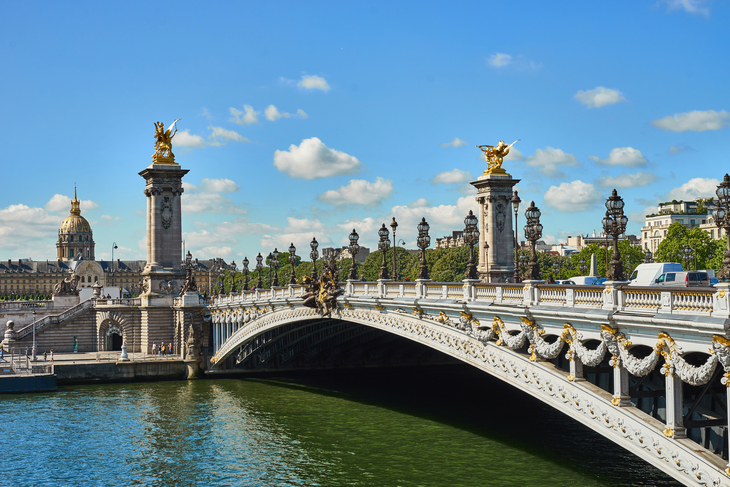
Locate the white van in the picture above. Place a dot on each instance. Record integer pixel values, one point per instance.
(584, 280)
(647, 274)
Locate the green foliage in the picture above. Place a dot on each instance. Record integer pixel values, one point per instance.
(707, 253)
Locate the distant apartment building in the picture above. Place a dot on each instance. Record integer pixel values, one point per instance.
(456, 239)
(690, 214)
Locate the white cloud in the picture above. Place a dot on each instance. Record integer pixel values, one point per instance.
(679, 148)
(313, 83)
(359, 192)
(443, 219)
(59, 202)
(366, 226)
(693, 189)
(273, 114)
(185, 139)
(455, 176)
(213, 251)
(514, 155)
(547, 161)
(218, 185)
(695, 120)
(312, 159)
(499, 59)
(110, 218)
(690, 6)
(27, 232)
(572, 197)
(205, 113)
(599, 97)
(219, 136)
(457, 142)
(627, 180)
(299, 232)
(242, 226)
(247, 117)
(622, 156)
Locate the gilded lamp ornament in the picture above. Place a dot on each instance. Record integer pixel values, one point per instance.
(494, 155)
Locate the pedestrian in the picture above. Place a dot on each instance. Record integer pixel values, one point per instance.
(51, 355)
(154, 348)
(169, 349)
(45, 356)
(160, 349)
(2, 355)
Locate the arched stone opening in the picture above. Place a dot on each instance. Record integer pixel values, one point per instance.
(114, 338)
(114, 330)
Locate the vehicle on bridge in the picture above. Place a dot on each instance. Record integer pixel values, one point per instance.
(647, 274)
(683, 279)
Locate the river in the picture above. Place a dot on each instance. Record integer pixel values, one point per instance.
(448, 426)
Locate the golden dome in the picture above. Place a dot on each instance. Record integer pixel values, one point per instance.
(75, 223)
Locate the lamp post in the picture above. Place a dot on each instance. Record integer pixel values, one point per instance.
(687, 254)
(556, 272)
(583, 267)
(271, 259)
(233, 277)
(423, 241)
(516, 205)
(533, 232)
(354, 249)
(259, 268)
(292, 261)
(722, 220)
(523, 265)
(313, 255)
(275, 263)
(471, 237)
(245, 273)
(393, 226)
(111, 270)
(221, 278)
(383, 246)
(486, 254)
(614, 224)
(648, 258)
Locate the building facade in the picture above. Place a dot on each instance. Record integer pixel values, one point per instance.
(690, 214)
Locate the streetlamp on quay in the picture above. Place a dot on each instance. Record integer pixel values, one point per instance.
(33, 356)
(292, 261)
(486, 254)
(275, 263)
(614, 224)
(259, 268)
(471, 237)
(354, 249)
(423, 241)
(722, 220)
(533, 232)
(245, 273)
(648, 258)
(516, 205)
(383, 246)
(313, 255)
(111, 270)
(583, 267)
(393, 226)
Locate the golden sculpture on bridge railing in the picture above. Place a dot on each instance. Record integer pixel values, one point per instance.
(163, 143)
(322, 293)
(495, 156)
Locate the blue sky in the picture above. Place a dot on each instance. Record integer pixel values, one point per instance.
(304, 119)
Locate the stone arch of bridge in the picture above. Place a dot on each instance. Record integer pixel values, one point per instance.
(109, 323)
(583, 401)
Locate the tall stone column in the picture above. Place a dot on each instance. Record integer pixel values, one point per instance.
(494, 195)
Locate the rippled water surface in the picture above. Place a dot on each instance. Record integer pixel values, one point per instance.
(431, 427)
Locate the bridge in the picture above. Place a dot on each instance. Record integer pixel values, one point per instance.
(648, 369)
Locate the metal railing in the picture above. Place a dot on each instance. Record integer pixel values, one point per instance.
(55, 319)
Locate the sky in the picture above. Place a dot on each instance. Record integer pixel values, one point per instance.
(311, 119)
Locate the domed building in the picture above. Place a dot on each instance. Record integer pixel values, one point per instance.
(75, 237)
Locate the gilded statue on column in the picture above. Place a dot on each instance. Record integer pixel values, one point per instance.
(495, 155)
(163, 143)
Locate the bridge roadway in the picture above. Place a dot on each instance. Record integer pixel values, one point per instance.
(647, 368)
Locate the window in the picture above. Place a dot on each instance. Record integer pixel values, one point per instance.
(71, 238)
(680, 220)
(691, 222)
(70, 252)
(712, 234)
(671, 276)
(665, 233)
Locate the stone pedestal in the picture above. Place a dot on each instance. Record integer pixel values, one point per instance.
(496, 228)
(63, 301)
(10, 336)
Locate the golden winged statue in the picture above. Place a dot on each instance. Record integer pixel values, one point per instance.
(495, 155)
(163, 143)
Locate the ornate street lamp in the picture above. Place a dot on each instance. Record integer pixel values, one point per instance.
(614, 224)
(233, 276)
(423, 241)
(245, 273)
(516, 205)
(219, 283)
(648, 258)
(314, 254)
(722, 220)
(471, 237)
(270, 258)
(687, 254)
(354, 249)
(259, 268)
(533, 233)
(383, 246)
(583, 267)
(292, 261)
(275, 263)
(523, 264)
(393, 226)
(556, 271)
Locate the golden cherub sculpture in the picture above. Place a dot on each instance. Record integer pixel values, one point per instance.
(163, 143)
(495, 156)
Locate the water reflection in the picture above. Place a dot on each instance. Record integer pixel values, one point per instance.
(452, 426)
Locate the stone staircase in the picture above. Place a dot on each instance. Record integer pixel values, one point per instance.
(49, 321)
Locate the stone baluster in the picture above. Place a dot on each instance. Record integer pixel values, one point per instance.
(576, 366)
(621, 395)
(674, 403)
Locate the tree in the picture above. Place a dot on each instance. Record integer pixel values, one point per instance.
(706, 252)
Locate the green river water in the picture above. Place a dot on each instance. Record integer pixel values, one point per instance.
(428, 427)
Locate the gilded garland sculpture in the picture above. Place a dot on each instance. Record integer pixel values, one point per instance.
(163, 143)
(495, 156)
(322, 293)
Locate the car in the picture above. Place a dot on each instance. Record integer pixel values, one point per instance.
(683, 279)
(565, 282)
(601, 281)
